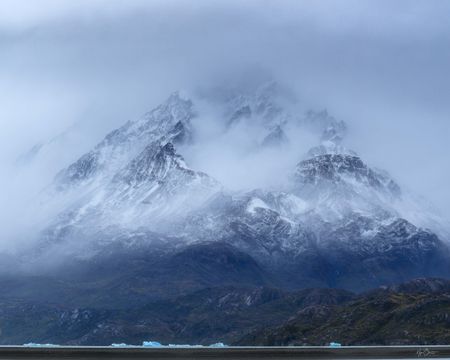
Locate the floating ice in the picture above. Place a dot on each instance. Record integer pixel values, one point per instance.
(39, 345)
(157, 344)
(182, 346)
(217, 345)
(151, 344)
(335, 344)
(144, 344)
(121, 345)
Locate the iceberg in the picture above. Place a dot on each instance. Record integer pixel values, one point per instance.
(121, 345)
(151, 344)
(157, 344)
(39, 345)
(335, 344)
(144, 344)
(218, 345)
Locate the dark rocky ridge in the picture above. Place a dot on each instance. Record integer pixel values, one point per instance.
(405, 314)
(244, 316)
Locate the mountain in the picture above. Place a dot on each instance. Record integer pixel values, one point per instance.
(404, 314)
(133, 178)
(225, 313)
(133, 224)
(333, 221)
(168, 122)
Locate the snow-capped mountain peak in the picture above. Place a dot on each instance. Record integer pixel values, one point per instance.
(338, 169)
(136, 182)
(168, 122)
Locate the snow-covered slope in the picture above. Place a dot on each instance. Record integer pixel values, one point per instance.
(169, 121)
(132, 178)
(135, 182)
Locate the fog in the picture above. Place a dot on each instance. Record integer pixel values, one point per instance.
(72, 70)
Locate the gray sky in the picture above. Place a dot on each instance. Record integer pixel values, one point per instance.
(382, 66)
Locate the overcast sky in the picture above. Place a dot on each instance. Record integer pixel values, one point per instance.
(382, 66)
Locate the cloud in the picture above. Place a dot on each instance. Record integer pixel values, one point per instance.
(91, 65)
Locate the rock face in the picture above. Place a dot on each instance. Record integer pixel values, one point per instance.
(339, 168)
(335, 221)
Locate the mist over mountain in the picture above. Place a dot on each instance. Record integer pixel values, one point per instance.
(264, 176)
(154, 154)
(379, 66)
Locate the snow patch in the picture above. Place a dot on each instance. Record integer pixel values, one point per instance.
(256, 203)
